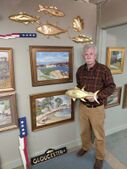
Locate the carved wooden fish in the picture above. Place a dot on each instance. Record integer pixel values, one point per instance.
(52, 10)
(82, 39)
(50, 29)
(77, 93)
(78, 24)
(25, 18)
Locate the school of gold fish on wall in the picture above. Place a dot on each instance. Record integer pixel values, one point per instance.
(50, 29)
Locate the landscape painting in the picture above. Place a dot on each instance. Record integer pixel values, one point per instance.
(50, 108)
(8, 112)
(114, 99)
(50, 65)
(115, 59)
(6, 70)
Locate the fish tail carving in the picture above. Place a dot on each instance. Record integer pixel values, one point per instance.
(95, 96)
(41, 8)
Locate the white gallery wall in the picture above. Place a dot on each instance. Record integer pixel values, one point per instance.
(113, 33)
(116, 117)
(61, 135)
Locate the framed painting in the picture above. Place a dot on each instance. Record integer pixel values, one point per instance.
(125, 97)
(8, 111)
(6, 70)
(115, 59)
(49, 109)
(51, 64)
(114, 99)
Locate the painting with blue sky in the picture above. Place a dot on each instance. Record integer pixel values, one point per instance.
(51, 64)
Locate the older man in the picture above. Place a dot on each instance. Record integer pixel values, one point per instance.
(93, 76)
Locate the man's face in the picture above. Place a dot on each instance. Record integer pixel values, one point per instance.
(89, 56)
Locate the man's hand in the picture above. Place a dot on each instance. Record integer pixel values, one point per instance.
(90, 98)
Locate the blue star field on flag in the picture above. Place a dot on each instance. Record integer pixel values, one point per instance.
(18, 35)
(27, 35)
(22, 127)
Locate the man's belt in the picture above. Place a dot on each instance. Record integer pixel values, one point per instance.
(92, 105)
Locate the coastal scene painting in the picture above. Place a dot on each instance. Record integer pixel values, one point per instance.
(6, 70)
(52, 109)
(51, 65)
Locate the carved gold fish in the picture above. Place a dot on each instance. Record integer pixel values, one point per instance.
(52, 10)
(78, 24)
(77, 93)
(83, 39)
(25, 18)
(50, 29)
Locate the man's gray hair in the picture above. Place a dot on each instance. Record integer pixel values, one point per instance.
(87, 46)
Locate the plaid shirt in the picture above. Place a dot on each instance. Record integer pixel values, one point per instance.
(96, 78)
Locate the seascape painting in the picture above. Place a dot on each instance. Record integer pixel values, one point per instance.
(52, 65)
(50, 108)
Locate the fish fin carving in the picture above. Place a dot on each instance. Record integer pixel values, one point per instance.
(95, 96)
(22, 13)
(26, 23)
(83, 100)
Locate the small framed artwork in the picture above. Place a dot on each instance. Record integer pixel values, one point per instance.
(114, 99)
(51, 64)
(48, 109)
(6, 70)
(115, 59)
(125, 97)
(8, 111)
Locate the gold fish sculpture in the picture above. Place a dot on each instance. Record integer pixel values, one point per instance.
(78, 24)
(50, 29)
(83, 39)
(52, 10)
(77, 93)
(25, 18)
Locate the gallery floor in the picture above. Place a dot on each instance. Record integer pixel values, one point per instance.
(116, 150)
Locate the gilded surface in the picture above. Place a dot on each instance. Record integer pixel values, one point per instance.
(25, 18)
(82, 39)
(78, 24)
(52, 10)
(77, 93)
(50, 29)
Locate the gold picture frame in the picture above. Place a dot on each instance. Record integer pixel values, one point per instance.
(8, 111)
(51, 64)
(114, 99)
(49, 109)
(125, 97)
(115, 59)
(6, 70)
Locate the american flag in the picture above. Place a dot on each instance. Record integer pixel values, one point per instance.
(18, 35)
(23, 142)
